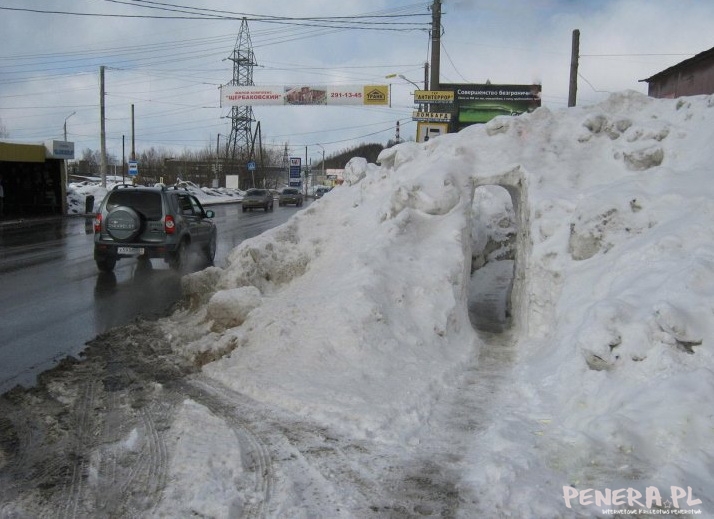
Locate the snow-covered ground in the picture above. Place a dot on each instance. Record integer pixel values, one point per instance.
(77, 193)
(355, 314)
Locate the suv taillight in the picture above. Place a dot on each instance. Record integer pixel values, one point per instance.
(169, 224)
(98, 223)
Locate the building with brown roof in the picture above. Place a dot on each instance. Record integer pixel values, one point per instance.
(693, 76)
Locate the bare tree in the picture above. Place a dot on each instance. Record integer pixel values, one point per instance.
(90, 162)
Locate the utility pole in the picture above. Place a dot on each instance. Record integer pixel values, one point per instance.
(307, 171)
(102, 131)
(133, 143)
(218, 161)
(574, 57)
(323, 162)
(435, 44)
(286, 162)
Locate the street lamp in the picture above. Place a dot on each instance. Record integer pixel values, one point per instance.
(66, 174)
(65, 125)
(409, 81)
(401, 76)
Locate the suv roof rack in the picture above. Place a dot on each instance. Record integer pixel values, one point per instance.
(135, 186)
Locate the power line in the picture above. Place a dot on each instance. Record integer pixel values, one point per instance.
(391, 13)
(452, 63)
(364, 22)
(144, 60)
(630, 55)
(591, 85)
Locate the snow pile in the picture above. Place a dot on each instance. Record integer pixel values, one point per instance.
(339, 306)
(362, 315)
(77, 194)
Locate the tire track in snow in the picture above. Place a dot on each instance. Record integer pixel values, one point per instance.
(292, 465)
(82, 438)
(156, 471)
(256, 456)
(19, 440)
(343, 477)
(133, 468)
(89, 441)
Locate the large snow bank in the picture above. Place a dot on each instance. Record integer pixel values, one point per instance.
(362, 317)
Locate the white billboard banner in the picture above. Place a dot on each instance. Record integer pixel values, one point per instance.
(375, 95)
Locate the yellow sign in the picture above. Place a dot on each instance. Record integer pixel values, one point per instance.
(431, 116)
(427, 131)
(376, 95)
(434, 96)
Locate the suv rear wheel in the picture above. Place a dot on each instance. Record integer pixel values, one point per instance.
(106, 264)
(179, 259)
(210, 249)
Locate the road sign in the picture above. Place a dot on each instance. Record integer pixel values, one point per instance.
(431, 116)
(434, 96)
(294, 179)
(251, 165)
(133, 168)
(295, 164)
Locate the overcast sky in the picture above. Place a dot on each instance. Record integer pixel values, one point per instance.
(169, 62)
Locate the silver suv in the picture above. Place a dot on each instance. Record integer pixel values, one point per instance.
(152, 222)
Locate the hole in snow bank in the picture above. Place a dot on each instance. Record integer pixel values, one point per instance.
(493, 239)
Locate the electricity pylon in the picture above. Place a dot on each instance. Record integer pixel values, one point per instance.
(240, 143)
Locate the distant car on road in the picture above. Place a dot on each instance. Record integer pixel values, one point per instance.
(322, 191)
(151, 222)
(290, 195)
(258, 198)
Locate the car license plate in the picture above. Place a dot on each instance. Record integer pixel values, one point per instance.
(131, 250)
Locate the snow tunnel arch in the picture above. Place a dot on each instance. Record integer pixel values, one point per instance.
(513, 182)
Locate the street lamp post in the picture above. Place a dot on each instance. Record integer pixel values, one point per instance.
(401, 76)
(65, 125)
(66, 173)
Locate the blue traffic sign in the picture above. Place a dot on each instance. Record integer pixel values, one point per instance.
(133, 168)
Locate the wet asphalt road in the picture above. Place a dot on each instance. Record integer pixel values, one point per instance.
(53, 299)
